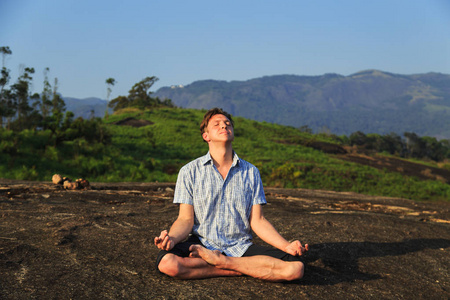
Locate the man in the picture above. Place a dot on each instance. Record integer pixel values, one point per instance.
(221, 198)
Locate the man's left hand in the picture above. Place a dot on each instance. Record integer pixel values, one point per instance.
(296, 248)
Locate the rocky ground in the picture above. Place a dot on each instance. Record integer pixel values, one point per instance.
(98, 243)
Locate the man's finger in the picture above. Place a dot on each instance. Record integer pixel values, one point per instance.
(169, 245)
(165, 240)
(298, 247)
(163, 234)
(303, 250)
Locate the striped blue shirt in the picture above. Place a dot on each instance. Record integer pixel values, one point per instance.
(221, 207)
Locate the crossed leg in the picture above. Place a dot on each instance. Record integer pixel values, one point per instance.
(190, 268)
(258, 266)
(204, 263)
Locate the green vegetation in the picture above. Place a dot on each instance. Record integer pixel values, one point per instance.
(156, 152)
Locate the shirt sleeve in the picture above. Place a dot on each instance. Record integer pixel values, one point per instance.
(258, 194)
(183, 188)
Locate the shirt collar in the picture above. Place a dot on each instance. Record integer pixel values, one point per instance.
(207, 159)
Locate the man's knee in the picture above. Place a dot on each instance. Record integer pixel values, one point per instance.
(169, 265)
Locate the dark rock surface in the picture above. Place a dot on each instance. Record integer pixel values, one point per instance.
(98, 244)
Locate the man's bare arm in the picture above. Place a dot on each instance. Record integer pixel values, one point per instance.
(265, 230)
(180, 229)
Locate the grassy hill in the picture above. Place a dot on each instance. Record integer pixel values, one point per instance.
(160, 141)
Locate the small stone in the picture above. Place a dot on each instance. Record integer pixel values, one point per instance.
(57, 179)
(70, 185)
(83, 183)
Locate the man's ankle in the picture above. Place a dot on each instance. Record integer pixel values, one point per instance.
(225, 262)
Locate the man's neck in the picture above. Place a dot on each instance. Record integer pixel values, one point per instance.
(222, 155)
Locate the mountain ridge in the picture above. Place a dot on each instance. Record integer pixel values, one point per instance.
(86, 107)
(371, 101)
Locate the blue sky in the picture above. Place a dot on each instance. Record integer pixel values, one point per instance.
(85, 42)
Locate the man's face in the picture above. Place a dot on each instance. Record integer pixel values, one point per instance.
(219, 129)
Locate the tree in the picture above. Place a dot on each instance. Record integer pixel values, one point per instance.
(4, 95)
(3, 98)
(358, 138)
(393, 144)
(4, 79)
(21, 94)
(110, 82)
(58, 107)
(119, 103)
(8, 107)
(415, 146)
(306, 129)
(434, 149)
(374, 142)
(446, 145)
(58, 104)
(139, 96)
(5, 51)
(46, 96)
(140, 91)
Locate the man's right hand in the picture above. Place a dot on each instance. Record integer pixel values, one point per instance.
(164, 241)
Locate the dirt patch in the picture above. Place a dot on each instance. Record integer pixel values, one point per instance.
(327, 147)
(318, 145)
(133, 122)
(98, 243)
(398, 165)
(368, 158)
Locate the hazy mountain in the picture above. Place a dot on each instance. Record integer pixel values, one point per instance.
(84, 107)
(370, 101)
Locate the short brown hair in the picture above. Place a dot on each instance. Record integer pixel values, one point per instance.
(209, 114)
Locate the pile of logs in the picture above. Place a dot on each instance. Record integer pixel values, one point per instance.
(68, 184)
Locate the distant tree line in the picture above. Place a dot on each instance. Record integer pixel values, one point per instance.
(411, 146)
(139, 96)
(20, 109)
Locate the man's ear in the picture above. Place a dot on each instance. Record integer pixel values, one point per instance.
(205, 137)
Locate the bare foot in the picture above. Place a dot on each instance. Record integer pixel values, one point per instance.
(214, 258)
